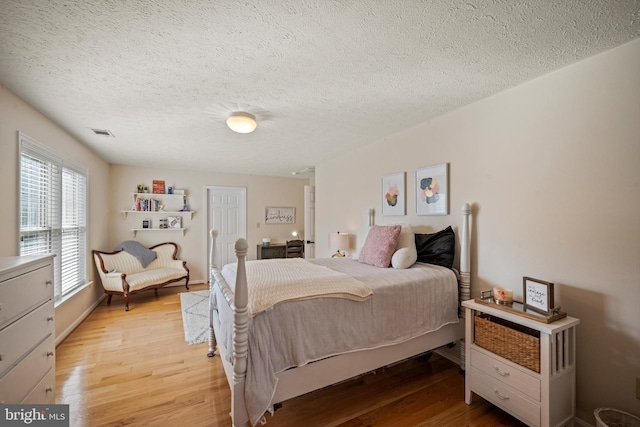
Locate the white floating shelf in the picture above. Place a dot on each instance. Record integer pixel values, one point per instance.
(135, 230)
(125, 213)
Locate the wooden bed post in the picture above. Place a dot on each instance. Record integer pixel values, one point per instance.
(240, 334)
(465, 270)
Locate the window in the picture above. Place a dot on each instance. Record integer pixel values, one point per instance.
(53, 207)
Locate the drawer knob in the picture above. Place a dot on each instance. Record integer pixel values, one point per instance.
(50, 319)
(48, 389)
(501, 373)
(48, 282)
(501, 397)
(49, 353)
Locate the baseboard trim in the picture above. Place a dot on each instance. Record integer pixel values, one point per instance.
(582, 423)
(83, 316)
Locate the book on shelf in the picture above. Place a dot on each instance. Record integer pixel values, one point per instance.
(147, 205)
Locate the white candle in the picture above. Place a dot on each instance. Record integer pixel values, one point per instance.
(502, 294)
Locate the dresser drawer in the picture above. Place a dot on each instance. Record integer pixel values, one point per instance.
(19, 381)
(508, 374)
(505, 397)
(43, 392)
(24, 292)
(20, 337)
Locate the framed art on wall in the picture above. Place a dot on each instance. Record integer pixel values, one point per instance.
(393, 194)
(279, 215)
(432, 192)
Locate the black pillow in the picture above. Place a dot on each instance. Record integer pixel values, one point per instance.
(437, 248)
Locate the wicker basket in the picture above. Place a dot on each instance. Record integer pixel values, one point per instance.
(514, 342)
(607, 417)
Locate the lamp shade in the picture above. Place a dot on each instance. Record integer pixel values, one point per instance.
(242, 122)
(339, 241)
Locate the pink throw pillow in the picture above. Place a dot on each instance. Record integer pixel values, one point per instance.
(380, 245)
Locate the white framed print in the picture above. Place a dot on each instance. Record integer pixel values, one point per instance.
(432, 190)
(537, 295)
(393, 194)
(174, 222)
(280, 215)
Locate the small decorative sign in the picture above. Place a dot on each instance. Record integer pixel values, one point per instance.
(279, 215)
(174, 222)
(158, 187)
(146, 223)
(537, 295)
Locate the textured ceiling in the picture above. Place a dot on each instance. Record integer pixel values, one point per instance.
(321, 76)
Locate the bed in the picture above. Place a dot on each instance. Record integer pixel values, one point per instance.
(370, 317)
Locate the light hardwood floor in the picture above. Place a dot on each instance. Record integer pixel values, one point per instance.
(134, 368)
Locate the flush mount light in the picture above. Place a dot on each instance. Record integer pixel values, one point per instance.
(242, 122)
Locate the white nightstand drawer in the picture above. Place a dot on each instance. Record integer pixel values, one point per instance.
(508, 373)
(43, 392)
(19, 381)
(24, 334)
(505, 397)
(24, 292)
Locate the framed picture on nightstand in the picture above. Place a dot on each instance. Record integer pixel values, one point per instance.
(537, 295)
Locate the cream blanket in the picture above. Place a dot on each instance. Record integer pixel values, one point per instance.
(279, 280)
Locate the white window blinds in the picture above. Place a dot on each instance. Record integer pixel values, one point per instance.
(53, 194)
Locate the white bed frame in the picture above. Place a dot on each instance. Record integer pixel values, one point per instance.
(297, 381)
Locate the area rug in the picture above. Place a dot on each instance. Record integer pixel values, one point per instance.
(195, 316)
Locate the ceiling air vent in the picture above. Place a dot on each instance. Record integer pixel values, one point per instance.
(103, 132)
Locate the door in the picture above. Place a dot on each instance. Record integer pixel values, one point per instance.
(309, 221)
(227, 213)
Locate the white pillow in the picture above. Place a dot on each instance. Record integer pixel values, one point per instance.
(406, 254)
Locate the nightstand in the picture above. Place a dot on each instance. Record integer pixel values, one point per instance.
(536, 386)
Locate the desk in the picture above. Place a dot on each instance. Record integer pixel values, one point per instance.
(274, 250)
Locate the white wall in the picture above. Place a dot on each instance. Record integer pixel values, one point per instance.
(552, 168)
(16, 115)
(262, 191)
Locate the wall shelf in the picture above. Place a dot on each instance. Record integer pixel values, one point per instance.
(173, 213)
(135, 230)
(157, 202)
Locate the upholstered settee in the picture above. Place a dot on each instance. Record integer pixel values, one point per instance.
(123, 274)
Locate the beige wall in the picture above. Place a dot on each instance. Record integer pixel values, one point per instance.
(261, 192)
(552, 168)
(16, 115)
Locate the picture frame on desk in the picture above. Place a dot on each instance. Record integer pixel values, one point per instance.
(537, 295)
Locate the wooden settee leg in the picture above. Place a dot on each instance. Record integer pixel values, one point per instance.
(109, 299)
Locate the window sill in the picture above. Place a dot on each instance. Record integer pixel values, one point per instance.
(71, 294)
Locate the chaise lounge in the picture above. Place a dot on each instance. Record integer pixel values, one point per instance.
(122, 273)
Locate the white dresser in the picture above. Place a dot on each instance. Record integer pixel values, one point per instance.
(27, 333)
(544, 396)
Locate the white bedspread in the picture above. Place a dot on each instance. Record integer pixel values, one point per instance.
(282, 280)
(405, 304)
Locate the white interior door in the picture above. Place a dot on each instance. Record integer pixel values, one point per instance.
(227, 213)
(309, 221)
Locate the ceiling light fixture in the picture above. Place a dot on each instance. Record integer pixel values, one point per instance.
(242, 122)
